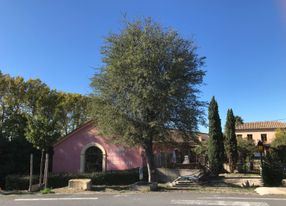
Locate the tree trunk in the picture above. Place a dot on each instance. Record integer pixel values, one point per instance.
(230, 162)
(150, 161)
(41, 167)
(31, 173)
(46, 170)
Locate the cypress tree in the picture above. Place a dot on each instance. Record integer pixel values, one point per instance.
(230, 140)
(215, 143)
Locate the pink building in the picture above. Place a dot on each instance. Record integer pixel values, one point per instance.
(85, 150)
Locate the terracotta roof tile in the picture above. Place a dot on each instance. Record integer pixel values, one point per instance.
(261, 125)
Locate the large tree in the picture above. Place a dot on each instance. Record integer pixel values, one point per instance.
(215, 142)
(230, 140)
(30, 110)
(147, 86)
(14, 148)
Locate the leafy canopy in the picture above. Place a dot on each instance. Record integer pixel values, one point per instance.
(280, 138)
(149, 84)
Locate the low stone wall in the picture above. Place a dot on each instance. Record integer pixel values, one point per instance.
(255, 181)
(168, 175)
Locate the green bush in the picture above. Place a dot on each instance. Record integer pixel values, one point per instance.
(272, 170)
(14, 182)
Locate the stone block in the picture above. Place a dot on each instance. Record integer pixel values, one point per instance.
(80, 184)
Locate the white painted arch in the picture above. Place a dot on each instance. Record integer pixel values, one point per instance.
(82, 155)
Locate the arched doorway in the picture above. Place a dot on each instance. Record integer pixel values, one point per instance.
(93, 160)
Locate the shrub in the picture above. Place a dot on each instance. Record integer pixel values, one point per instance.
(272, 170)
(14, 182)
(17, 182)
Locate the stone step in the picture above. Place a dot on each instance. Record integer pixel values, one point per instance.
(184, 185)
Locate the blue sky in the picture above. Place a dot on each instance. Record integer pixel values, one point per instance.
(244, 42)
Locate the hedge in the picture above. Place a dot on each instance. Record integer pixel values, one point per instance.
(272, 170)
(16, 182)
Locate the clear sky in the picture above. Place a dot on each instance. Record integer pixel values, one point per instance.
(244, 42)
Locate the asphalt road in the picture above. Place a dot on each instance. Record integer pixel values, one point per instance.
(143, 199)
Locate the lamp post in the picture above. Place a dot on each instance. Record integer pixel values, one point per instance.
(260, 148)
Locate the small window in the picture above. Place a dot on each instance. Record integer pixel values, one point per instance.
(239, 136)
(249, 137)
(264, 137)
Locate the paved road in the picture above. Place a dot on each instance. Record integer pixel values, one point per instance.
(143, 199)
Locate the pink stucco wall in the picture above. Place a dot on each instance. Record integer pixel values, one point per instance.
(67, 152)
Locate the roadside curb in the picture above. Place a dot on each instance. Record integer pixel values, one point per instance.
(271, 190)
(16, 192)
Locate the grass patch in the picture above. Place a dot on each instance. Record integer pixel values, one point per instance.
(47, 191)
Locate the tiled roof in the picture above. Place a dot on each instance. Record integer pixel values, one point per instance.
(261, 125)
(177, 137)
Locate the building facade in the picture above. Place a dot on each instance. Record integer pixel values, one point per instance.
(85, 150)
(259, 131)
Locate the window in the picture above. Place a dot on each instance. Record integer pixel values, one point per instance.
(239, 136)
(264, 137)
(249, 137)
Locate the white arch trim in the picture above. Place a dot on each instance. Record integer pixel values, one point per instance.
(82, 156)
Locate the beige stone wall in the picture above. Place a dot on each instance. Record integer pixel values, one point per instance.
(256, 134)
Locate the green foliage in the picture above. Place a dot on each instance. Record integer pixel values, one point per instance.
(230, 140)
(280, 138)
(14, 148)
(15, 182)
(148, 85)
(47, 191)
(52, 114)
(245, 147)
(215, 142)
(31, 116)
(238, 120)
(44, 126)
(72, 111)
(201, 148)
(281, 151)
(272, 170)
